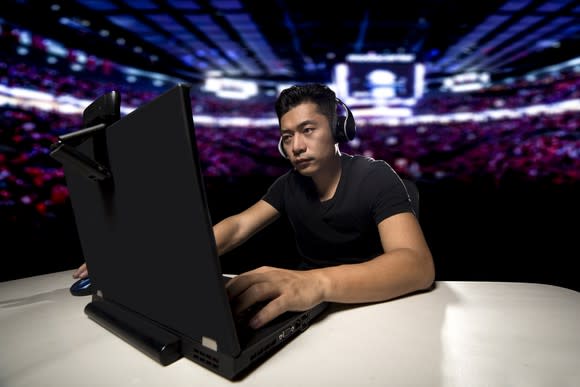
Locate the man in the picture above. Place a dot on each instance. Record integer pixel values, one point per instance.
(352, 217)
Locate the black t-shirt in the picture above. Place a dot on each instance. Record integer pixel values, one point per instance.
(342, 229)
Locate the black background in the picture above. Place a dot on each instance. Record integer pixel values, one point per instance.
(523, 232)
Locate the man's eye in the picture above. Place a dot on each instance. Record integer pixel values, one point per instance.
(286, 139)
(307, 130)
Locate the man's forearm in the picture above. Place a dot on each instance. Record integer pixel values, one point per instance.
(236, 229)
(387, 276)
(225, 233)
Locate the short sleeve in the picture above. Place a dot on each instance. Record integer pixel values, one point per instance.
(275, 194)
(388, 195)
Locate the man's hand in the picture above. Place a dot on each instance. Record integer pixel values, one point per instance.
(81, 272)
(283, 290)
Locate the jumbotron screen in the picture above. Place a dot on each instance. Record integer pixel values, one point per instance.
(381, 77)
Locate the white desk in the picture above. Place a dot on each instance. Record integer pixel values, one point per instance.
(460, 334)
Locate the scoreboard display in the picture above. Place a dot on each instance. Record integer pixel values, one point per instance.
(380, 77)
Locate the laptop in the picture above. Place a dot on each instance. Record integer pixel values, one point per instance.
(146, 235)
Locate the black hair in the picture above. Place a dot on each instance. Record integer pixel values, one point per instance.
(319, 94)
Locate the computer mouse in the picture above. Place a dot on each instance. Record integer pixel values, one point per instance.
(81, 287)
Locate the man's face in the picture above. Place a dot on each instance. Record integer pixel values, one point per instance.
(307, 138)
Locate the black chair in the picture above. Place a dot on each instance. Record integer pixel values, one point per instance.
(413, 192)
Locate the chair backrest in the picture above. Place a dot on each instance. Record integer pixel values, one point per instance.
(413, 192)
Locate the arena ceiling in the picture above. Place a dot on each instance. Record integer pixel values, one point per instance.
(298, 40)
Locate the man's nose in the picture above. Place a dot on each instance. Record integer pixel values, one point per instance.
(298, 145)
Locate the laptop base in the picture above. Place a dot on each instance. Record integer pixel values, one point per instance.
(151, 339)
(165, 347)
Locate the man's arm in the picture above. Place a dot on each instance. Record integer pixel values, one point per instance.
(236, 229)
(405, 266)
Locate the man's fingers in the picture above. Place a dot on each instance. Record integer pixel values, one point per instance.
(242, 282)
(81, 272)
(258, 292)
(280, 290)
(268, 313)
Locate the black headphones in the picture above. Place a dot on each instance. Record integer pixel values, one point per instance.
(345, 129)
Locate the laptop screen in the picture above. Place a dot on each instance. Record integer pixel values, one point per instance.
(146, 231)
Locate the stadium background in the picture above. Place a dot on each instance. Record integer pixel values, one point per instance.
(498, 166)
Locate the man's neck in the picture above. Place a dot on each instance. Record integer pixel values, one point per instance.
(326, 182)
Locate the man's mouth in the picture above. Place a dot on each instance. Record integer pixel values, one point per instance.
(301, 162)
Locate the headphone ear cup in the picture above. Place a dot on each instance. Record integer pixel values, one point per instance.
(281, 149)
(345, 129)
(339, 134)
(345, 126)
(350, 127)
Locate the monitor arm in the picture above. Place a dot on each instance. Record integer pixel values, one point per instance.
(65, 152)
(101, 113)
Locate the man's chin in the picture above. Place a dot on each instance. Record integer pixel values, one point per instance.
(305, 170)
(305, 173)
